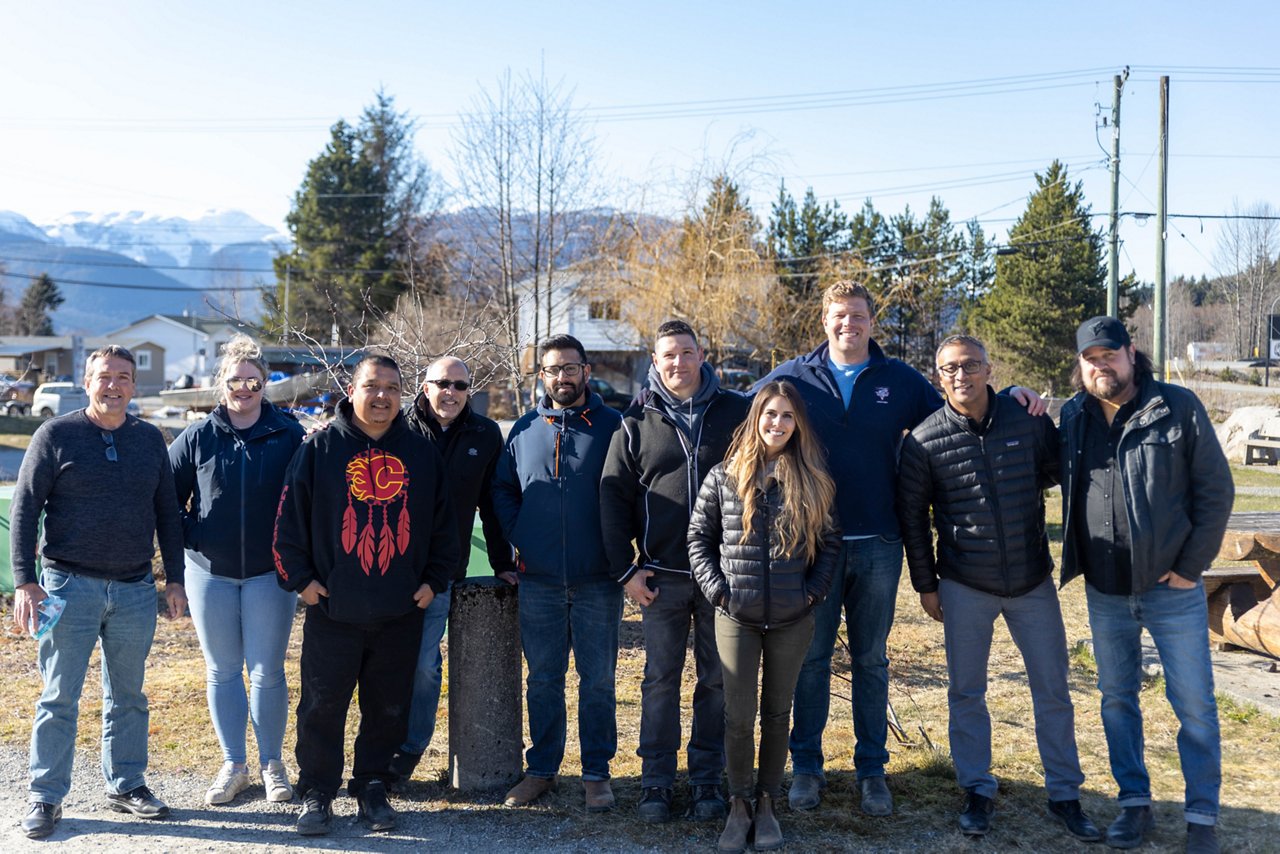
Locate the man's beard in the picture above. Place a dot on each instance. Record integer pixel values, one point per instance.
(1114, 387)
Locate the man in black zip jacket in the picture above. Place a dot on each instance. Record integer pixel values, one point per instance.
(470, 445)
(982, 463)
(672, 435)
(366, 533)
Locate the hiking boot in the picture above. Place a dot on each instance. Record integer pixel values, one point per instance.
(708, 803)
(768, 833)
(275, 781)
(975, 819)
(140, 802)
(599, 796)
(230, 782)
(736, 826)
(40, 819)
(528, 790)
(655, 804)
(316, 818)
(1202, 839)
(1130, 827)
(373, 807)
(806, 791)
(401, 767)
(876, 799)
(1074, 820)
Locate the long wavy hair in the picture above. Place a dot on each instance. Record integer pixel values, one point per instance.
(808, 492)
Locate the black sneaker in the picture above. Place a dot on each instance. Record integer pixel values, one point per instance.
(140, 802)
(40, 819)
(709, 803)
(316, 817)
(1074, 820)
(374, 808)
(655, 804)
(401, 768)
(975, 820)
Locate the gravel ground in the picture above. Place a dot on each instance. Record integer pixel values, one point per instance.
(252, 824)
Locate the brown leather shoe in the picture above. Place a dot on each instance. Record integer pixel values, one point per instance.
(528, 790)
(736, 827)
(599, 795)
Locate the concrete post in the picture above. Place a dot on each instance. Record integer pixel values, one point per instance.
(486, 721)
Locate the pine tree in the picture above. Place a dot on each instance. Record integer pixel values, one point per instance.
(40, 299)
(806, 245)
(1055, 280)
(352, 224)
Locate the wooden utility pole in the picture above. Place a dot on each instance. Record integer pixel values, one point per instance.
(1162, 216)
(1113, 258)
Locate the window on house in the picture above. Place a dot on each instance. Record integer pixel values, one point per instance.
(144, 359)
(604, 309)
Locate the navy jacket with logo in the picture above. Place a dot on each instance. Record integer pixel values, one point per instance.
(889, 398)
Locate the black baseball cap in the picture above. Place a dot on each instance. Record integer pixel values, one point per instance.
(1102, 331)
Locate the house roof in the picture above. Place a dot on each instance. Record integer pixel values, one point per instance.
(207, 325)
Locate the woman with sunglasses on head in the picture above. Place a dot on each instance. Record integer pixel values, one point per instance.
(229, 469)
(763, 545)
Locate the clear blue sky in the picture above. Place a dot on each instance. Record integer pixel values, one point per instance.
(178, 107)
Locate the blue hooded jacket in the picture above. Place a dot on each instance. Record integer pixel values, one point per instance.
(546, 491)
(889, 398)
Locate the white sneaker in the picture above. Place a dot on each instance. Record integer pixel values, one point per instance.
(275, 779)
(230, 782)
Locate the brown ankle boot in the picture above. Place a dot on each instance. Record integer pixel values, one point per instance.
(736, 826)
(768, 833)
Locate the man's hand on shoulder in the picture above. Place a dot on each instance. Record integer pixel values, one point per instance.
(175, 596)
(1035, 404)
(312, 592)
(637, 588)
(25, 600)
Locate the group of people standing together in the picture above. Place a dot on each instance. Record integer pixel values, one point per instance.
(752, 522)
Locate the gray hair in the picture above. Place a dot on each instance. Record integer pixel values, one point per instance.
(968, 340)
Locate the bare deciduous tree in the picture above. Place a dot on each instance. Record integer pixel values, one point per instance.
(1246, 260)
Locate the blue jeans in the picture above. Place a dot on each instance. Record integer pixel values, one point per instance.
(1178, 621)
(428, 676)
(665, 622)
(554, 619)
(1035, 623)
(865, 586)
(243, 622)
(123, 615)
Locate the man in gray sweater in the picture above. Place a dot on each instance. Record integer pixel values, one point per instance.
(102, 479)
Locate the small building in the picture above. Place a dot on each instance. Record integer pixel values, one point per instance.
(42, 358)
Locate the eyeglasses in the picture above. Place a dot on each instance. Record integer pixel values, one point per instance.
(457, 385)
(570, 370)
(250, 383)
(110, 441)
(970, 367)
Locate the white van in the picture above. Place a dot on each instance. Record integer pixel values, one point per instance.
(53, 399)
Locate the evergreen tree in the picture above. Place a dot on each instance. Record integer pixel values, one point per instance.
(40, 299)
(1041, 293)
(805, 244)
(352, 224)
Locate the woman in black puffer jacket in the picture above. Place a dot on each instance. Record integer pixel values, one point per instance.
(763, 544)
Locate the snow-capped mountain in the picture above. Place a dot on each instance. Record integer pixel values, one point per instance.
(156, 240)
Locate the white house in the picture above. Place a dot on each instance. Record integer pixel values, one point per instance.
(617, 351)
(190, 343)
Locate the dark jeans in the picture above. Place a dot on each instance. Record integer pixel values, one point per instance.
(742, 649)
(555, 619)
(379, 658)
(666, 634)
(865, 587)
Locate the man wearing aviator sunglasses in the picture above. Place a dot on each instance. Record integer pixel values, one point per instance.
(96, 555)
(470, 445)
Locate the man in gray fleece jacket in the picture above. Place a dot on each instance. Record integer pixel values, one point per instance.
(102, 479)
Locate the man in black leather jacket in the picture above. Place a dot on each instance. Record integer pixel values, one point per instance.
(982, 464)
(1146, 494)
